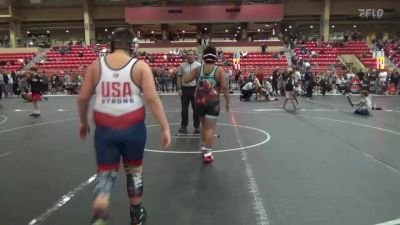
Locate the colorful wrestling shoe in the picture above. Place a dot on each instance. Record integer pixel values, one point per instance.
(138, 215)
(207, 156)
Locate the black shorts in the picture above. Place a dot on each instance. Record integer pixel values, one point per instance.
(209, 110)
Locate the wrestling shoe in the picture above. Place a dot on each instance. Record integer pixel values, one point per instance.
(138, 215)
(207, 156)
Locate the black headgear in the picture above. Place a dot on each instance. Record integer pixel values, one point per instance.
(210, 54)
(122, 38)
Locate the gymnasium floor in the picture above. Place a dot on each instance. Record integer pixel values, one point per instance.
(319, 166)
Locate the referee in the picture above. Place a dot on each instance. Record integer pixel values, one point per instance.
(186, 91)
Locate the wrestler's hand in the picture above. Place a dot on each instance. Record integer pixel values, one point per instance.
(84, 130)
(227, 109)
(165, 138)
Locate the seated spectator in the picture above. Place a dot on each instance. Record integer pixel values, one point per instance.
(314, 54)
(81, 54)
(96, 49)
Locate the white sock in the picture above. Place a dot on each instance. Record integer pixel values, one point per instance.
(37, 111)
(207, 152)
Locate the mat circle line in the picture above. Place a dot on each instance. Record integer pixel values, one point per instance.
(267, 138)
(5, 118)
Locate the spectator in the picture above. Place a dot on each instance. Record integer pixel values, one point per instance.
(10, 84)
(45, 82)
(4, 84)
(264, 48)
(1, 85)
(361, 74)
(275, 77)
(54, 84)
(15, 86)
(229, 74)
(174, 78)
(309, 82)
(81, 54)
(163, 80)
(383, 76)
(394, 79)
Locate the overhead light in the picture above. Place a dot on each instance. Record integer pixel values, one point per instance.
(205, 28)
(311, 26)
(106, 30)
(276, 24)
(67, 31)
(48, 31)
(286, 29)
(290, 26)
(112, 33)
(183, 31)
(266, 25)
(273, 31)
(258, 30)
(31, 43)
(28, 32)
(239, 28)
(333, 26)
(235, 35)
(226, 31)
(355, 26)
(152, 31)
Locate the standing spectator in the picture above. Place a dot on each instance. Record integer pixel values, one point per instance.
(275, 76)
(361, 74)
(163, 80)
(394, 79)
(229, 74)
(309, 82)
(174, 78)
(10, 84)
(186, 91)
(67, 78)
(15, 86)
(264, 47)
(54, 84)
(24, 86)
(383, 76)
(156, 78)
(1, 86)
(45, 81)
(5, 84)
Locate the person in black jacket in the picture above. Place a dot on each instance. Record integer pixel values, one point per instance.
(309, 82)
(37, 89)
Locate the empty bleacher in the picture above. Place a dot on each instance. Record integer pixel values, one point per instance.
(14, 61)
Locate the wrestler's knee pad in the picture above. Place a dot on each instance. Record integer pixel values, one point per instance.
(134, 182)
(105, 183)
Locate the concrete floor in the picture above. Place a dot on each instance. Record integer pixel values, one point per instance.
(321, 166)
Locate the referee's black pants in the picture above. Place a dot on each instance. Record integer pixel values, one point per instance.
(186, 99)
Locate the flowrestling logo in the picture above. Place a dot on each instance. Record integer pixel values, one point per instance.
(371, 13)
